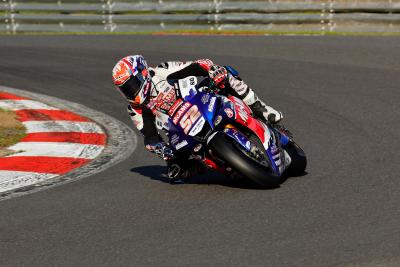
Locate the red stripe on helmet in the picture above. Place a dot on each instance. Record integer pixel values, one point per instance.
(129, 65)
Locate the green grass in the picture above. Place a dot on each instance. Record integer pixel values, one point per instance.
(11, 131)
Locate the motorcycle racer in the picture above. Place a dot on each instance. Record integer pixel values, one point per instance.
(148, 91)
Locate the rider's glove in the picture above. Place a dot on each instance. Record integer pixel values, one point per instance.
(219, 75)
(161, 149)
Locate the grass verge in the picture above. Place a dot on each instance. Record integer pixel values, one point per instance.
(11, 131)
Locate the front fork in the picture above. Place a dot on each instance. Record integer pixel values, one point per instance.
(283, 138)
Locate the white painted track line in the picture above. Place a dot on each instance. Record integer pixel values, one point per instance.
(61, 126)
(6, 176)
(14, 179)
(54, 149)
(24, 104)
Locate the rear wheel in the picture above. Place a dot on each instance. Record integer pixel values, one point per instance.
(222, 147)
(299, 161)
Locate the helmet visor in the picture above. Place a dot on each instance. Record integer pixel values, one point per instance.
(132, 87)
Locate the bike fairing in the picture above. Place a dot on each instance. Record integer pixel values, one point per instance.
(195, 111)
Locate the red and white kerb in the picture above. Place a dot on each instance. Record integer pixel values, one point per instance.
(57, 142)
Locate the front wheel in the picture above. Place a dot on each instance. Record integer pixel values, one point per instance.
(222, 147)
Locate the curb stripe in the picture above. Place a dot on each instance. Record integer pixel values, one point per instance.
(36, 173)
(8, 176)
(61, 126)
(41, 164)
(45, 149)
(10, 96)
(24, 104)
(69, 137)
(10, 180)
(48, 115)
(57, 142)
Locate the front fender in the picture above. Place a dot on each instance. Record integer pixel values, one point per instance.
(237, 136)
(241, 139)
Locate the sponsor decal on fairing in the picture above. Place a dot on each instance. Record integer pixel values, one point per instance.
(187, 86)
(205, 98)
(212, 104)
(180, 112)
(174, 139)
(197, 127)
(181, 144)
(218, 120)
(228, 112)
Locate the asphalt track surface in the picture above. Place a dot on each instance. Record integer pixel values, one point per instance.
(340, 97)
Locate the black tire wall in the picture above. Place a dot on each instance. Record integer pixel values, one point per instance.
(222, 147)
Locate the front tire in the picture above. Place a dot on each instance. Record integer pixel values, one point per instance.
(246, 167)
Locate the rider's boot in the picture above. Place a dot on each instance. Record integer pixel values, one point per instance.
(264, 112)
(259, 108)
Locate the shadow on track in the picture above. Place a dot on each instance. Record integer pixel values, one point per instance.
(158, 173)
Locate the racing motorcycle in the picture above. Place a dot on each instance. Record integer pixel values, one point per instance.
(222, 133)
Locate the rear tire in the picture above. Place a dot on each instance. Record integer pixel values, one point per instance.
(246, 167)
(299, 160)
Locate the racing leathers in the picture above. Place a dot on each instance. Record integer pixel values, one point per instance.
(161, 100)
